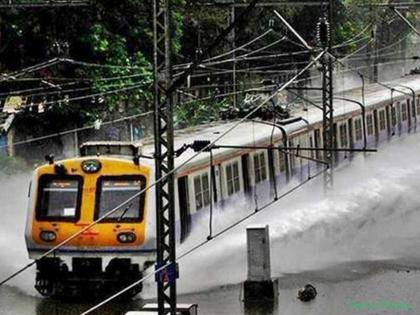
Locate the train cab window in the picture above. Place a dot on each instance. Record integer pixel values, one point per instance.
(403, 111)
(358, 134)
(112, 191)
(382, 121)
(202, 191)
(260, 167)
(369, 124)
(232, 178)
(343, 135)
(59, 198)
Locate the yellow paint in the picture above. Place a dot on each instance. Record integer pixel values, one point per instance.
(103, 234)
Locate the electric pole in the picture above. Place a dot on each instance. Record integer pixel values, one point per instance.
(232, 20)
(166, 266)
(325, 27)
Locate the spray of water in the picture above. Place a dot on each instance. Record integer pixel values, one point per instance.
(372, 215)
(13, 254)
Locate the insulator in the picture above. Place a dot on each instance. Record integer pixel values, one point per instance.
(323, 34)
(199, 145)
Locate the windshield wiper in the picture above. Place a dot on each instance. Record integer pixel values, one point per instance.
(124, 212)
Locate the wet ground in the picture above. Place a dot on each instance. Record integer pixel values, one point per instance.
(360, 288)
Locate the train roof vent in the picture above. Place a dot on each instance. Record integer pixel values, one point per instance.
(110, 148)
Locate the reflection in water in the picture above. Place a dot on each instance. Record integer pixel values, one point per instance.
(259, 308)
(54, 307)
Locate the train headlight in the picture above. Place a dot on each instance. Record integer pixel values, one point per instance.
(91, 166)
(48, 236)
(126, 237)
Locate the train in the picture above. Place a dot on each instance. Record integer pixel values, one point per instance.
(245, 174)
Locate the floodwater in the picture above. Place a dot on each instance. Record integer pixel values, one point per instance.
(359, 245)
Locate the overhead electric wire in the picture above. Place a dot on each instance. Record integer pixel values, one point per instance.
(69, 91)
(77, 81)
(367, 76)
(65, 132)
(240, 47)
(296, 81)
(228, 70)
(239, 58)
(247, 70)
(385, 47)
(55, 61)
(40, 66)
(96, 65)
(82, 97)
(262, 48)
(353, 39)
(358, 50)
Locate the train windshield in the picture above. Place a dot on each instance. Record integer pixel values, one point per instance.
(114, 191)
(59, 197)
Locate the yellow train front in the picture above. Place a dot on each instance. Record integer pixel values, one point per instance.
(67, 196)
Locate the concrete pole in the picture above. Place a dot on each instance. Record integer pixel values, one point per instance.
(258, 286)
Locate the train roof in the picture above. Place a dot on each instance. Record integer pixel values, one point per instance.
(249, 133)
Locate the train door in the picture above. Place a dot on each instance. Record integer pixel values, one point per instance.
(245, 174)
(184, 207)
(351, 138)
(272, 171)
(397, 107)
(388, 120)
(343, 139)
(335, 142)
(318, 143)
(292, 158)
(418, 107)
(382, 123)
(214, 172)
(376, 124)
(404, 116)
(409, 114)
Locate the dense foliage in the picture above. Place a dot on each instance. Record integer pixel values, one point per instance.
(119, 35)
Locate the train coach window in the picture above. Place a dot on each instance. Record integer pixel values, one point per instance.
(113, 191)
(259, 167)
(202, 191)
(381, 120)
(232, 178)
(59, 198)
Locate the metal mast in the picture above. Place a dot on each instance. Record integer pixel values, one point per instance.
(325, 38)
(164, 157)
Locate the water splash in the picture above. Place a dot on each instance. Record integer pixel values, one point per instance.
(371, 215)
(13, 192)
